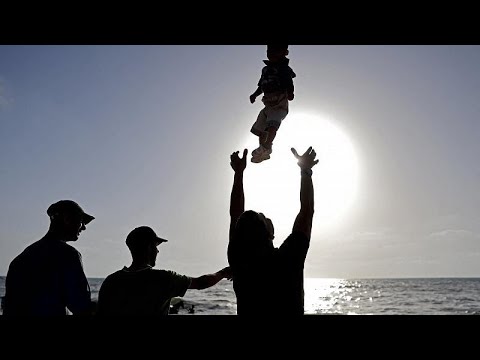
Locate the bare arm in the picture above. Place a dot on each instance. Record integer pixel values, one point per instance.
(237, 197)
(303, 221)
(206, 281)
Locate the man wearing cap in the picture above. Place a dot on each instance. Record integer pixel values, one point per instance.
(141, 290)
(47, 278)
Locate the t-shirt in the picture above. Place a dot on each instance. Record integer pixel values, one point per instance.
(145, 292)
(274, 284)
(45, 280)
(277, 77)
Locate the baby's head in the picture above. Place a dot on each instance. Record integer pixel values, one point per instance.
(277, 52)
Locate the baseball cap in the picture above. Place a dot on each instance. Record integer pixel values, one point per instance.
(143, 235)
(68, 206)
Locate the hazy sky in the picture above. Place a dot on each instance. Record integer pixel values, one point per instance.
(142, 135)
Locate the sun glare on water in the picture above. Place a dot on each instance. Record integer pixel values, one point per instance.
(273, 186)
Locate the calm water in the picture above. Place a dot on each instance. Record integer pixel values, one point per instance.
(435, 296)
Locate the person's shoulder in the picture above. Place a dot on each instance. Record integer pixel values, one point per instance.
(33, 247)
(23, 259)
(296, 237)
(113, 278)
(161, 272)
(114, 275)
(68, 249)
(177, 277)
(172, 273)
(17, 259)
(44, 246)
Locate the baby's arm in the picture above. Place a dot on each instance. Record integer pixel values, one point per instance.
(255, 94)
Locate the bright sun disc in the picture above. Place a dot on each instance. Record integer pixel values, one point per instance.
(273, 186)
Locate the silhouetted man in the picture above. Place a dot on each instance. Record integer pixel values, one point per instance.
(47, 278)
(141, 290)
(261, 271)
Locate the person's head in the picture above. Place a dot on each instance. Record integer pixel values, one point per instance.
(142, 243)
(255, 232)
(276, 52)
(68, 219)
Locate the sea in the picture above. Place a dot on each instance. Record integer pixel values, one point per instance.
(411, 296)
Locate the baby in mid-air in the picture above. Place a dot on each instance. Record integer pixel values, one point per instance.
(276, 84)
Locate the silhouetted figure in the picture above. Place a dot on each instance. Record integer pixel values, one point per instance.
(47, 278)
(141, 290)
(191, 310)
(261, 271)
(276, 84)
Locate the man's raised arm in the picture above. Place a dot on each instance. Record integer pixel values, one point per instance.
(303, 221)
(237, 197)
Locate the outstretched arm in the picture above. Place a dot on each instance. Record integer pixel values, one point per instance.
(303, 221)
(206, 281)
(237, 197)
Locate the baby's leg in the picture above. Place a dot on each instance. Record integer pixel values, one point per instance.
(270, 134)
(275, 115)
(258, 128)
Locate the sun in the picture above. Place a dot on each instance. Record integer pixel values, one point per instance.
(273, 186)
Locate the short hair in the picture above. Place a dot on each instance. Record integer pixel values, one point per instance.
(252, 230)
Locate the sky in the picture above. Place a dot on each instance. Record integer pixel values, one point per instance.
(142, 135)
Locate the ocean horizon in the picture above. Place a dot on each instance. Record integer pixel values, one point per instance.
(392, 296)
